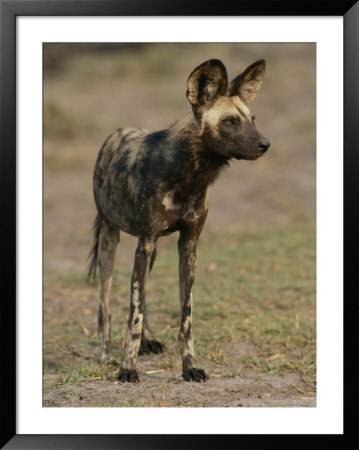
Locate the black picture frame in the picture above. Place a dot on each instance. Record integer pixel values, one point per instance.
(9, 10)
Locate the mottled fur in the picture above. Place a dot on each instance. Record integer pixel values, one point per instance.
(152, 184)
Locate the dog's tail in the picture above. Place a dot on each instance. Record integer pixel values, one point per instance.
(94, 251)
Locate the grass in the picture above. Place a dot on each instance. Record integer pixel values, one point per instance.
(75, 375)
(254, 288)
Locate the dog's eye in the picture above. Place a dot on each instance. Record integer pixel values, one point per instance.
(228, 121)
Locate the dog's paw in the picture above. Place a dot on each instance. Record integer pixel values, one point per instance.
(194, 374)
(151, 346)
(129, 375)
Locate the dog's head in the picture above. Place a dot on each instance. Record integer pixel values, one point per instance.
(226, 123)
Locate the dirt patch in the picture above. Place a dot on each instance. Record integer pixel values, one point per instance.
(164, 390)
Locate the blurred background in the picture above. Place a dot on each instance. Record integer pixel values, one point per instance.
(257, 249)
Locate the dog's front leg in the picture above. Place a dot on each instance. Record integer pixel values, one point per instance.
(187, 266)
(143, 254)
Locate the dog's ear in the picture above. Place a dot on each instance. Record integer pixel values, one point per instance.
(248, 83)
(206, 82)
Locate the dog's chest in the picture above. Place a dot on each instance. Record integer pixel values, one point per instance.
(176, 209)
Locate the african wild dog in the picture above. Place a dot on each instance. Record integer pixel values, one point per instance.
(152, 184)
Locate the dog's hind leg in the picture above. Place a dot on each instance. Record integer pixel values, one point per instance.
(148, 343)
(108, 240)
(141, 268)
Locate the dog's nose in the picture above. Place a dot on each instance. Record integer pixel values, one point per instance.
(263, 145)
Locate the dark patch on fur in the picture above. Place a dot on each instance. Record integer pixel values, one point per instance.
(100, 317)
(154, 139)
(186, 311)
(151, 346)
(194, 374)
(129, 375)
(191, 373)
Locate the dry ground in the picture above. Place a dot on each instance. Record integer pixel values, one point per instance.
(254, 318)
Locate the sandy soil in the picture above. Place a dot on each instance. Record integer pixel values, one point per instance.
(165, 390)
